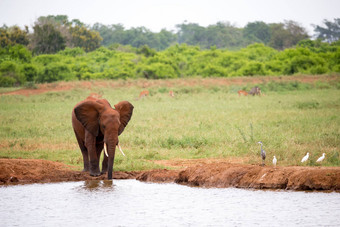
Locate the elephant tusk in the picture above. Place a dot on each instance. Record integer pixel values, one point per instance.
(105, 151)
(120, 149)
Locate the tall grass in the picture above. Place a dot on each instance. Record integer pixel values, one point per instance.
(199, 122)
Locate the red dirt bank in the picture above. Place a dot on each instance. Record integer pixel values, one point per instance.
(215, 173)
(63, 86)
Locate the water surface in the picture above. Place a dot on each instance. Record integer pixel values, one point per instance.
(134, 203)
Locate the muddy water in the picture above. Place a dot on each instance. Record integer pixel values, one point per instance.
(134, 203)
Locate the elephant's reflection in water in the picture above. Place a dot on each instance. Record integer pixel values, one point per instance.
(94, 185)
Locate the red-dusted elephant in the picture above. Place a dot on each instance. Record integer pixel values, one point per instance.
(95, 124)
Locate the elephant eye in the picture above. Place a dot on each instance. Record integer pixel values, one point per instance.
(103, 126)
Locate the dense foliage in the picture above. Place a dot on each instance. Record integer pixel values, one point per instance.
(18, 66)
(63, 49)
(54, 33)
(221, 35)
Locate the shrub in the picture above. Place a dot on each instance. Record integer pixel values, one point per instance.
(213, 70)
(253, 68)
(7, 81)
(30, 71)
(55, 72)
(158, 71)
(46, 59)
(17, 53)
(72, 52)
(10, 74)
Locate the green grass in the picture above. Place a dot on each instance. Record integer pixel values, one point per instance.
(199, 122)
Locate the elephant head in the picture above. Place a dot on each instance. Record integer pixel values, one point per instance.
(104, 124)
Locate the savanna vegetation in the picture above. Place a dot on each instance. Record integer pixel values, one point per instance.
(62, 49)
(19, 67)
(201, 121)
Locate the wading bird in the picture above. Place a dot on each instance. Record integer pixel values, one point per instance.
(274, 161)
(263, 154)
(305, 158)
(321, 158)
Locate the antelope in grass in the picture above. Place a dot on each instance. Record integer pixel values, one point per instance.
(241, 92)
(143, 94)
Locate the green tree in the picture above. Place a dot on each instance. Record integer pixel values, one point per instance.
(4, 37)
(110, 33)
(191, 33)
(47, 37)
(13, 35)
(285, 35)
(329, 33)
(257, 31)
(166, 39)
(85, 38)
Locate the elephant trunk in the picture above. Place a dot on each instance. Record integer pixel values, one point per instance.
(110, 150)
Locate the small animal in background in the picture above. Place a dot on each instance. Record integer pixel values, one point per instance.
(241, 92)
(305, 158)
(143, 94)
(321, 158)
(255, 91)
(171, 93)
(274, 161)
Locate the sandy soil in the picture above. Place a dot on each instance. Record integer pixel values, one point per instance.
(62, 86)
(201, 172)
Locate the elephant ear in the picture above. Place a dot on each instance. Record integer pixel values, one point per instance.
(125, 110)
(88, 114)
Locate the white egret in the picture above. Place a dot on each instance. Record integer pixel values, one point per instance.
(274, 161)
(305, 158)
(321, 158)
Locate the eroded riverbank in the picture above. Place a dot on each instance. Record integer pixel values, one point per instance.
(215, 173)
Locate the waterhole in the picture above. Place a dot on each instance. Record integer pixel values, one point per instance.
(134, 203)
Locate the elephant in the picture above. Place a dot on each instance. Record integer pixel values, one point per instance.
(96, 126)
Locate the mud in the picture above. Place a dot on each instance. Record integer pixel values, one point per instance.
(202, 173)
(25, 171)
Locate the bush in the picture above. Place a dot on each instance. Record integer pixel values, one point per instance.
(252, 69)
(72, 52)
(55, 72)
(30, 71)
(7, 81)
(213, 70)
(46, 59)
(10, 74)
(157, 71)
(17, 53)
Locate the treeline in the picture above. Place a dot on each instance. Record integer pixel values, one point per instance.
(52, 34)
(60, 49)
(18, 66)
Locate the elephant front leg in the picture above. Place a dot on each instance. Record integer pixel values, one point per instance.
(99, 148)
(86, 160)
(90, 143)
(104, 165)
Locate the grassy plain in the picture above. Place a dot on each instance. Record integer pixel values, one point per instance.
(201, 121)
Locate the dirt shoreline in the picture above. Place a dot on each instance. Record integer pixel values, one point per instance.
(199, 173)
